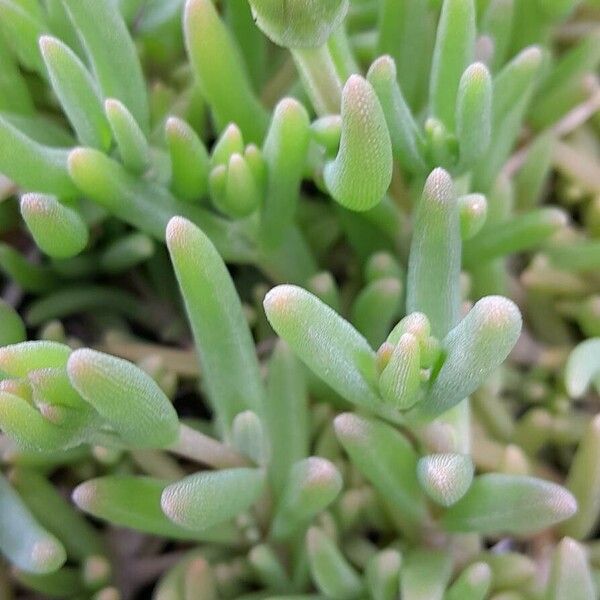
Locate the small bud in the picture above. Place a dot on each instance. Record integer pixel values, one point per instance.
(299, 24)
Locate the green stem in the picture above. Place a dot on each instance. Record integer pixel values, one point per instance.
(320, 78)
(201, 448)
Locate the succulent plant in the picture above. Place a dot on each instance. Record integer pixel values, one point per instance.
(300, 299)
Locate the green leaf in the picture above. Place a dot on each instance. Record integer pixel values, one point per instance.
(325, 342)
(12, 328)
(407, 140)
(31, 277)
(474, 113)
(189, 160)
(77, 92)
(221, 333)
(14, 94)
(130, 139)
(533, 175)
(79, 538)
(425, 574)
(445, 478)
(434, 260)
(473, 214)
(497, 23)
(129, 399)
(33, 165)
(112, 54)
(400, 380)
(583, 367)
(510, 504)
(570, 574)
(454, 48)
(285, 152)
(583, 481)
(249, 437)
(361, 173)
(383, 575)
(126, 252)
(58, 230)
(22, 29)
(330, 571)
(268, 568)
(64, 583)
(374, 309)
(148, 206)
(524, 232)
(22, 540)
(218, 66)
(206, 499)
(22, 423)
(285, 414)
(473, 583)
(312, 485)
(134, 502)
(17, 360)
(473, 350)
(300, 24)
(386, 459)
(241, 195)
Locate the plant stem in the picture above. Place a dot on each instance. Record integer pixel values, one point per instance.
(320, 78)
(201, 448)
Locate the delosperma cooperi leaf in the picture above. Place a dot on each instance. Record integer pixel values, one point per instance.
(22, 539)
(321, 338)
(330, 571)
(583, 481)
(473, 350)
(77, 91)
(226, 349)
(135, 502)
(570, 576)
(445, 478)
(189, 160)
(304, 24)
(474, 583)
(125, 397)
(434, 262)
(498, 503)
(131, 142)
(383, 575)
(454, 47)
(362, 170)
(207, 499)
(106, 40)
(57, 229)
(313, 484)
(217, 64)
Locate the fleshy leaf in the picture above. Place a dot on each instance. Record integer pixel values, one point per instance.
(221, 333)
(134, 502)
(57, 229)
(22, 540)
(313, 484)
(299, 24)
(473, 350)
(445, 477)
(498, 503)
(330, 571)
(206, 499)
(323, 340)
(362, 171)
(129, 399)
